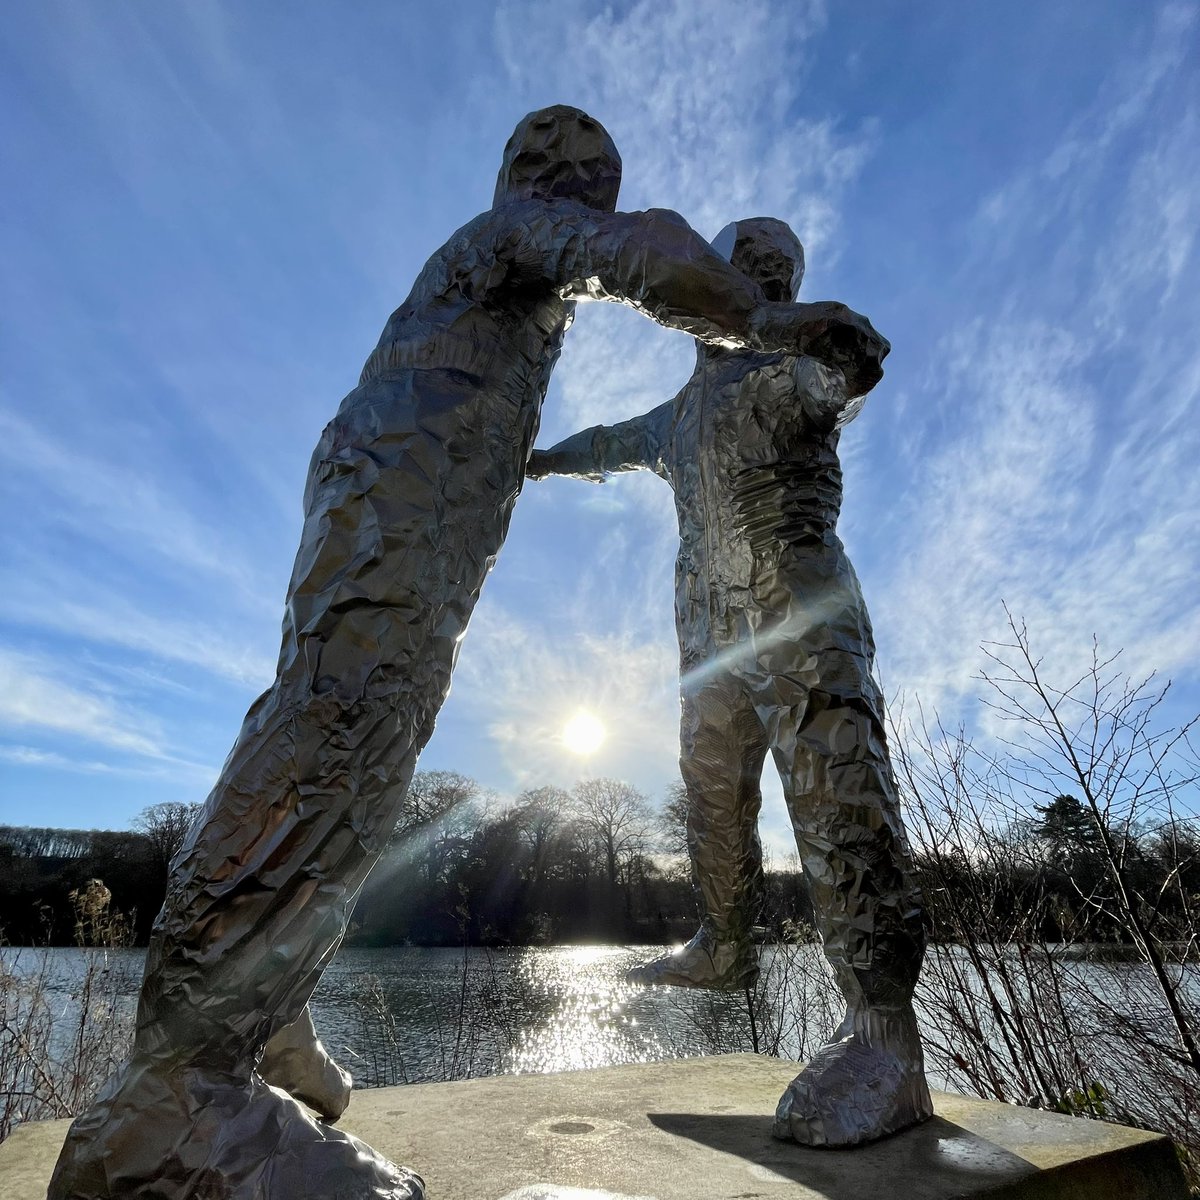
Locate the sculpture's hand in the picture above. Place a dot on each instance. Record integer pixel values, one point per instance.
(827, 331)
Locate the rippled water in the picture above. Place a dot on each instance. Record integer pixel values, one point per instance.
(523, 1010)
(450, 1013)
(399, 1014)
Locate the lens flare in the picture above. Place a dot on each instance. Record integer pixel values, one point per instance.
(583, 733)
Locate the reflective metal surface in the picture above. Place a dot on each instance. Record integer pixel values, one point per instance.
(296, 1061)
(406, 506)
(777, 653)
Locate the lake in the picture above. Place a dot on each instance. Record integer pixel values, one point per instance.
(396, 1015)
(413, 1014)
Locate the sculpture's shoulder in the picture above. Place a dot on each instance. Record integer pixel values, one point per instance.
(518, 215)
(800, 383)
(472, 269)
(518, 245)
(455, 265)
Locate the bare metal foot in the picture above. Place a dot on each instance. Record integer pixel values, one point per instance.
(866, 1085)
(705, 962)
(191, 1133)
(296, 1061)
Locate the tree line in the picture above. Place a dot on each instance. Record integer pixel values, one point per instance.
(600, 863)
(596, 863)
(41, 868)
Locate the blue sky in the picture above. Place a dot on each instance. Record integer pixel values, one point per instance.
(211, 208)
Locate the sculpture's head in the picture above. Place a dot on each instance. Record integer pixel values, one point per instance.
(767, 251)
(560, 153)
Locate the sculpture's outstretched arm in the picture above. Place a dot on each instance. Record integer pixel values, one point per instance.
(634, 445)
(655, 262)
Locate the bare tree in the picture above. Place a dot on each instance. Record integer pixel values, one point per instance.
(436, 816)
(165, 826)
(542, 815)
(673, 823)
(1098, 735)
(28, 842)
(618, 820)
(1018, 997)
(434, 796)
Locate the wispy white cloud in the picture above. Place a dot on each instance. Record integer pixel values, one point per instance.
(104, 618)
(33, 695)
(1069, 178)
(174, 771)
(30, 756)
(1052, 462)
(129, 510)
(68, 719)
(689, 92)
(1154, 234)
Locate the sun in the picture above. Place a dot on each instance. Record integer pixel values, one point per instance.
(583, 733)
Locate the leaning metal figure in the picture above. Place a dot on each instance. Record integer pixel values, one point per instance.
(776, 654)
(406, 506)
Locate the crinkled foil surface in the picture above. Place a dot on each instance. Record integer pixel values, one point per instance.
(777, 654)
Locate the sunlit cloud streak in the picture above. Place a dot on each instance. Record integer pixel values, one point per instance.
(1054, 469)
(175, 772)
(31, 696)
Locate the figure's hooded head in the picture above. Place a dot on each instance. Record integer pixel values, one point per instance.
(767, 251)
(560, 153)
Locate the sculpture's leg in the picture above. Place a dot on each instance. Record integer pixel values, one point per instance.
(296, 1061)
(722, 748)
(868, 1081)
(390, 564)
(257, 907)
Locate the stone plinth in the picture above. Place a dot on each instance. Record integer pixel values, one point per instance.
(698, 1129)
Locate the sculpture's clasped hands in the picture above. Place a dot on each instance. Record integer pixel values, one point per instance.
(828, 331)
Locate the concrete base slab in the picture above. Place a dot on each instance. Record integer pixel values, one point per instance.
(701, 1128)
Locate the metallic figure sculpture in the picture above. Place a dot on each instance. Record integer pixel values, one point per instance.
(406, 506)
(776, 654)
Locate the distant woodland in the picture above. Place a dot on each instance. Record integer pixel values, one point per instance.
(598, 863)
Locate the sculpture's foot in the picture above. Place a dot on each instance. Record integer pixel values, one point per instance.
(199, 1135)
(296, 1061)
(868, 1084)
(705, 962)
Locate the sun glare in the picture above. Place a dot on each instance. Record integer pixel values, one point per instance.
(583, 734)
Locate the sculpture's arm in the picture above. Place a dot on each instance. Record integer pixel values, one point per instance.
(655, 262)
(633, 445)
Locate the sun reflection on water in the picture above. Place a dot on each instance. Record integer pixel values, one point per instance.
(456, 1014)
(588, 1022)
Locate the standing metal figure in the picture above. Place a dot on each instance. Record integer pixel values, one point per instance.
(406, 506)
(776, 654)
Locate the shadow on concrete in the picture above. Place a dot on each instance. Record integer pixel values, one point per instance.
(935, 1161)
